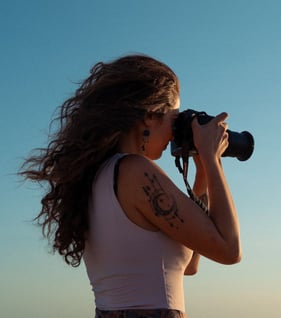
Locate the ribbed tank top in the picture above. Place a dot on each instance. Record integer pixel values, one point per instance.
(128, 266)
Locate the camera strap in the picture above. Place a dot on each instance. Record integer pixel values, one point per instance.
(183, 169)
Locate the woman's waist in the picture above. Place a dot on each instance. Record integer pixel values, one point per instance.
(116, 292)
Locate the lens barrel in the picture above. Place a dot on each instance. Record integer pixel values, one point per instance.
(240, 145)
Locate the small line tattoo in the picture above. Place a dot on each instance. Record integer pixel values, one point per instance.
(163, 204)
(204, 198)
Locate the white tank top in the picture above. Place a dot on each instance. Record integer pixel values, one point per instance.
(130, 267)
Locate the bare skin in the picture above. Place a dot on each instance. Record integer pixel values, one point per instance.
(200, 189)
(151, 200)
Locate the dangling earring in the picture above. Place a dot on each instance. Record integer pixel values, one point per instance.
(145, 136)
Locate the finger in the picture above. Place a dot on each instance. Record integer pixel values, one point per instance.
(225, 141)
(225, 136)
(194, 122)
(221, 117)
(224, 125)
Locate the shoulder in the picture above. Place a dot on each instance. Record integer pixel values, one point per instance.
(137, 172)
(130, 183)
(138, 165)
(138, 178)
(145, 187)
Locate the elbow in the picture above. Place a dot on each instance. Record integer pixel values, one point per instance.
(233, 260)
(237, 258)
(191, 272)
(233, 256)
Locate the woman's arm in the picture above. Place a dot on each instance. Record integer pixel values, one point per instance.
(145, 188)
(210, 148)
(201, 191)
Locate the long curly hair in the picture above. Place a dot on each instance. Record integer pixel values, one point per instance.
(109, 102)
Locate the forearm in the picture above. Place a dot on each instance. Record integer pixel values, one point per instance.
(211, 140)
(201, 192)
(200, 189)
(200, 186)
(221, 207)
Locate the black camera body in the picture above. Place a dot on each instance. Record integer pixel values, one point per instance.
(241, 145)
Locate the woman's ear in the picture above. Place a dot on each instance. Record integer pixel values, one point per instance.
(148, 120)
(152, 119)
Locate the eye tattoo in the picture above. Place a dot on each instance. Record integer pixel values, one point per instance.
(163, 204)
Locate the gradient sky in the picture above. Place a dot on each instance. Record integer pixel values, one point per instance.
(227, 54)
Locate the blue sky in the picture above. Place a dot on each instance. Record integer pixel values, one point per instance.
(227, 56)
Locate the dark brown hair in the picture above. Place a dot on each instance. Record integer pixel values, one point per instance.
(109, 102)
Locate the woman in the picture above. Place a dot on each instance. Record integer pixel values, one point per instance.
(110, 204)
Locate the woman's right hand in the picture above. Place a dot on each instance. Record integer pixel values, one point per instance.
(211, 139)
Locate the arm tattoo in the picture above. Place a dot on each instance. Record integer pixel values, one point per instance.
(163, 204)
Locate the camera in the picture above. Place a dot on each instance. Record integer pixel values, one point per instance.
(240, 145)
